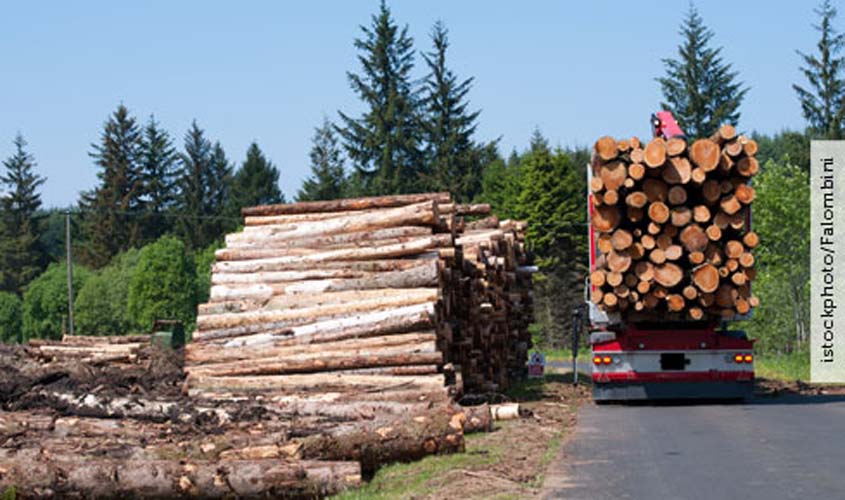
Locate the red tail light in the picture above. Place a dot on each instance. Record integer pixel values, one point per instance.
(748, 358)
(597, 360)
(607, 360)
(738, 358)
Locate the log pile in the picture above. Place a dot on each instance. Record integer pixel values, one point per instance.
(395, 295)
(672, 226)
(98, 429)
(336, 335)
(93, 350)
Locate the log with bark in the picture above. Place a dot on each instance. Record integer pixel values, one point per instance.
(69, 475)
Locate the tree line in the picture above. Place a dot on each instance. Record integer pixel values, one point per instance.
(145, 235)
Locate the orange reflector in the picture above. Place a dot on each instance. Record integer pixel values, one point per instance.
(749, 358)
(597, 360)
(738, 358)
(606, 360)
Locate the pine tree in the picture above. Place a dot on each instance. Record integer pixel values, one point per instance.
(699, 87)
(255, 183)
(21, 255)
(204, 182)
(219, 191)
(111, 212)
(327, 180)
(453, 158)
(158, 163)
(551, 198)
(823, 104)
(383, 144)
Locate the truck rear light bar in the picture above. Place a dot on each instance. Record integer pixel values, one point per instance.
(604, 360)
(743, 358)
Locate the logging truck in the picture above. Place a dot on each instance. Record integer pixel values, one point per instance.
(666, 351)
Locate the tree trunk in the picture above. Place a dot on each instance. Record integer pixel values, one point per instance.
(705, 154)
(346, 204)
(317, 382)
(287, 262)
(103, 478)
(319, 363)
(349, 303)
(369, 324)
(655, 153)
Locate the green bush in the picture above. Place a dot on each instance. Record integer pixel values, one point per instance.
(203, 261)
(10, 317)
(45, 301)
(781, 323)
(163, 285)
(101, 306)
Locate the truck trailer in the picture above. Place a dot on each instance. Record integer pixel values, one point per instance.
(654, 356)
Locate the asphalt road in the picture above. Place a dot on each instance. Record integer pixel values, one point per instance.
(773, 448)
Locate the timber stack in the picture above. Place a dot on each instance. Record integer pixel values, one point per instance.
(93, 350)
(396, 299)
(672, 225)
(336, 337)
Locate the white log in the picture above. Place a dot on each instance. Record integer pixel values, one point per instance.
(281, 263)
(420, 214)
(400, 319)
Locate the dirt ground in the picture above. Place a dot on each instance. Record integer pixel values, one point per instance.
(159, 373)
(770, 388)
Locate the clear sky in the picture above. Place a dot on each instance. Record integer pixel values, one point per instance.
(269, 71)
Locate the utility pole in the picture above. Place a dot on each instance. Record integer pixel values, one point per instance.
(69, 272)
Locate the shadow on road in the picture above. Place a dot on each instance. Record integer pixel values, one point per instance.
(766, 393)
(798, 399)
(767, 400)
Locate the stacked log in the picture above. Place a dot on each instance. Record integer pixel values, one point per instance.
(73, 421)
(391, 294)
(497, 303)
(672, 226)
(92, 349)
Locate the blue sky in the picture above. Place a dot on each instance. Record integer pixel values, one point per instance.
(269, 71)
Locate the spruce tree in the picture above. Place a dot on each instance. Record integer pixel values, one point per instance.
(452, 157)
(383, 143)
(823, 103)
(158, 163)
(327, 180)
(112, 212)
(204, 181)
(219, 191)
(21, 255)
(255, 183)
(551, 197)
(699, 88)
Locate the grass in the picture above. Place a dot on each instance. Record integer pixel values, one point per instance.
(418, 478)
(787, 367)
(566, 354)
(548, 455)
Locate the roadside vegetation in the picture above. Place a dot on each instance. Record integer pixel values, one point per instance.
(785, 367)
